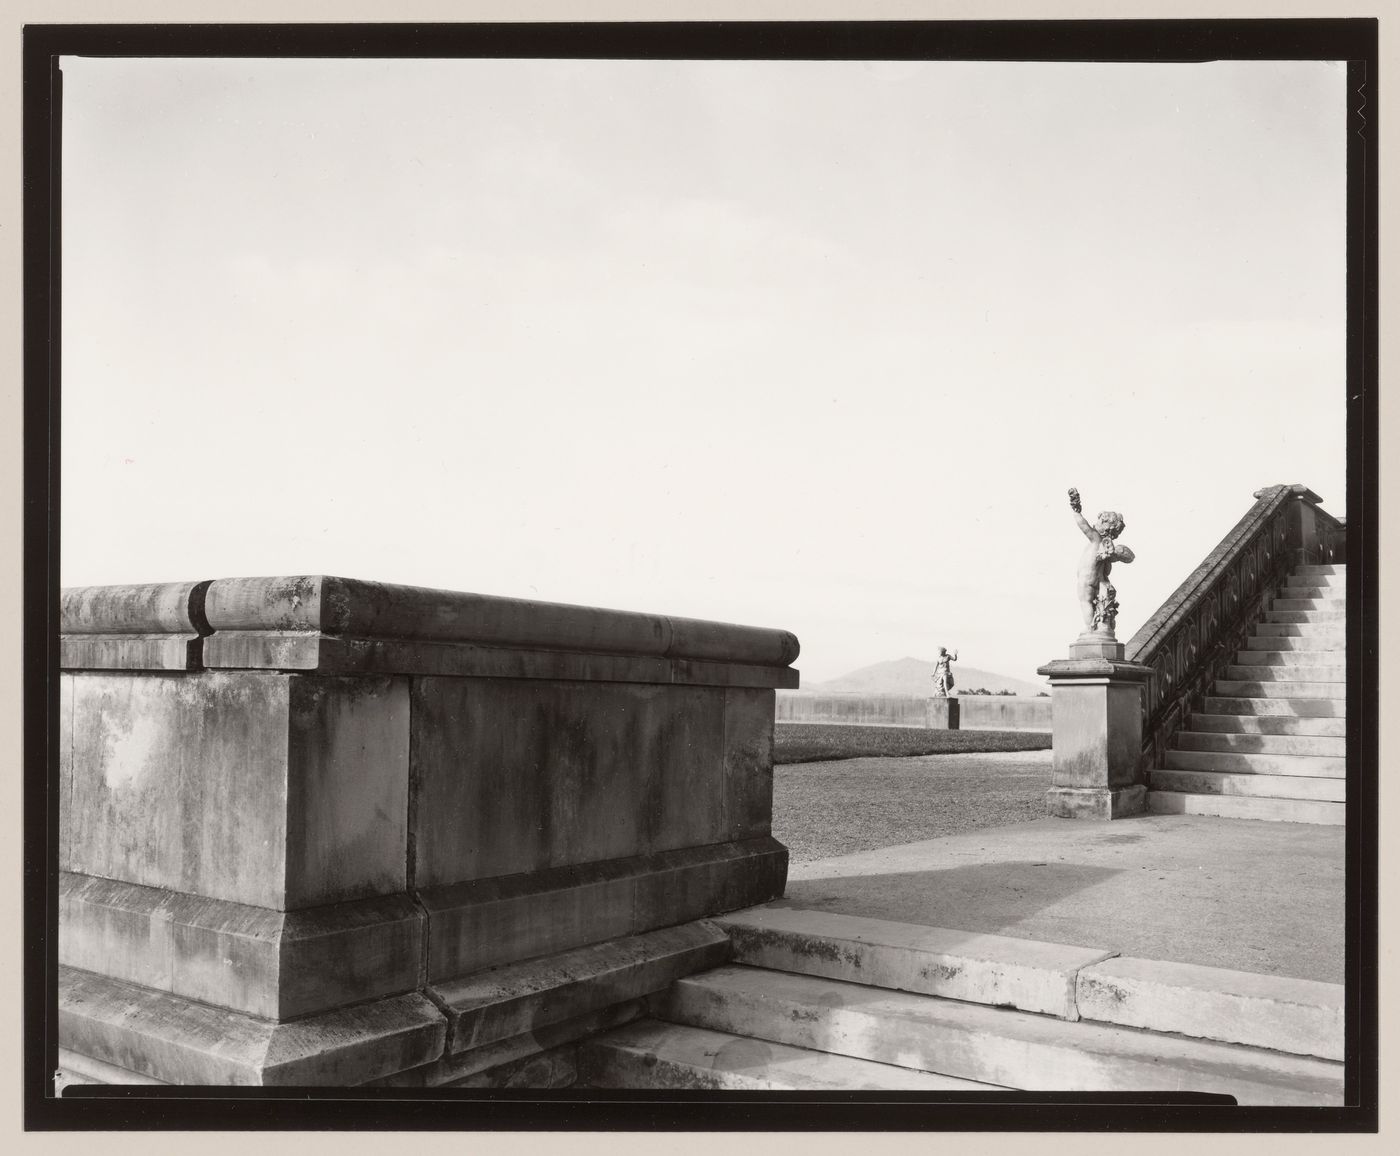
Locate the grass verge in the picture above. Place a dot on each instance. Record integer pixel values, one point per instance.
(817, 743)
(830, 808)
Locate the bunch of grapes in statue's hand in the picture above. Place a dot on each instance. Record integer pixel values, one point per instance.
(1074, 500)
(1108, 550)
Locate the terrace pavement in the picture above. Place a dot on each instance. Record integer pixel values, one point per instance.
(1232, 893)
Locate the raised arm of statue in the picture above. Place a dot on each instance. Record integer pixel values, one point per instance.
(1084, 526)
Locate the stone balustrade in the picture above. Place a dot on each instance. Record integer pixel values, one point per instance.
(1198, 631)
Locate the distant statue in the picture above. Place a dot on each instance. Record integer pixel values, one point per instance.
(943, 672)
(1098, 600)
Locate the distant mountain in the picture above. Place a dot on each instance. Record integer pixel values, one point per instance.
(915, 676)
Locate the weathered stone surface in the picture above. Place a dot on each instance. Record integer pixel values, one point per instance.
(455, 1070)
(704, 881)
(347, 952)
(1260, 765)
(748, 764)
(508, 1001)
(130, 652)
(1265, 1011)
(650, 1054)
(489, 922)
(1281, 707)
(1254, 740)
(254, 960)
(516, 776)
(493, 921)
(1262, 786)
(944, 714)
(987, 969)
(1097, 732)
(78, 1069)
(65, 766)
(990, 1045)
(556, 1068)
(347, 794)
(155, 626)
(1097, 737)
(348, 626)
(331, 655)
(183, 1042)
(178, 782)
(205, 949)
(150, 608)
(1096, 802)
(265, 789)
(355, 608)
(1247, 807)
(247, 834)
(1090, 646)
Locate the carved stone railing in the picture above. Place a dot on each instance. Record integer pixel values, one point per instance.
(1198, 630)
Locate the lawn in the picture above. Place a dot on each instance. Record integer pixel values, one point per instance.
(844, 804)
(811, 743)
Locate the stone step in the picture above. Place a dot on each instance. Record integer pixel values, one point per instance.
(1287, 672)
(1311, 644)
(653, 1054)
(1300, 1016)
(1260, 688)
(1260, 744)
(966, 965)
(1331, 790)
(1268, 724)
(76, 1068)
(1309, 766)
(1307, 617)
(1316, 592)
(1030, 975)
(1334, 633)
(1247, 807)
(1292, 707)
(1262, 656)
(988, 1045)
(502, 1003)
(1337, 568)
(1336, 606)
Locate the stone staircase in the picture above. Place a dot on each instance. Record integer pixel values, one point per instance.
(823, 1001)
(1271, 741)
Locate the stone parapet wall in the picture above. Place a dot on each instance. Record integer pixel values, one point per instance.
(977, 712)
(283, 797)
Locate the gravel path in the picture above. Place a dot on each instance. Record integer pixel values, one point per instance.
(836, 808)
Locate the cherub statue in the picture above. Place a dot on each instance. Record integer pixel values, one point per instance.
(943, 672)
(1098, 600)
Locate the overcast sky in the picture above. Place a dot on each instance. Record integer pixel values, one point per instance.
(818, 346)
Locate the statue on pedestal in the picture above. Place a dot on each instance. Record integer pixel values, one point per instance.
(1098, 600)
(943, 672)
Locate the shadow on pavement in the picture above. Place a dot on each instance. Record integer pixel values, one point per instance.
(984, 897)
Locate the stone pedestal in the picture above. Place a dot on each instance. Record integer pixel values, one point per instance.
(1096, 705)
(943, 714)
(298, 815)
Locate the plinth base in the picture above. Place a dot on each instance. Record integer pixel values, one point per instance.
(1097, 644)
(944, 714)
(1096, 802)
